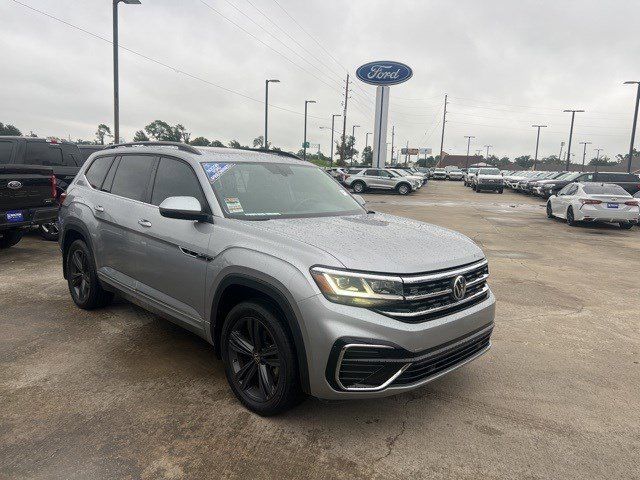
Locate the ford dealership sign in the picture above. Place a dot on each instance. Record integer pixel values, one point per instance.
(384, 73)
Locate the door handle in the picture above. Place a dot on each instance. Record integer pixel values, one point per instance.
(144, 223)
(99, 208)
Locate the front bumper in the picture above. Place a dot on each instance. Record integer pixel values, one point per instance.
(489, 186)
(414, 353)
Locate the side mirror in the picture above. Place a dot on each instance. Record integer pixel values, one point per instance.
(183, 208)
(360, 200)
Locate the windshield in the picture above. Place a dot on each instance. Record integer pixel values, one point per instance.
(260, 191)
(572, 176)
(488, 171)
(605, 189)
(473, 170)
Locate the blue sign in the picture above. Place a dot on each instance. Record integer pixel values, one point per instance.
(384, 73)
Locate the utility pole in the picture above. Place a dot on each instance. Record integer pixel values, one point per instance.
(304, 143)
(116, 82)
(406, 153)
(393, 138)
(635, 123)
(573, 115)
(353, 135)
(344, 118)
(333, 119)
(597, 157)
(584, 153)
(468, 137)
(266, 110)
(535, 159)
(444, 121)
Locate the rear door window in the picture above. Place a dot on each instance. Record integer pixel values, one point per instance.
(6, 149)
(175, 179)
(132, 176)
(98, 170)
(43, 153)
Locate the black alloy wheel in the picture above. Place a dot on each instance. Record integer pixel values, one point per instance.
(78, 272)
(571, 220)
(259, 358)
(549, 210)
(84, 286)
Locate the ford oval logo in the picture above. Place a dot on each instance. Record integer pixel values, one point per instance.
(14, 185)
(384, 73)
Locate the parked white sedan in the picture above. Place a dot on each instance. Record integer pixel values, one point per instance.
(594, 202)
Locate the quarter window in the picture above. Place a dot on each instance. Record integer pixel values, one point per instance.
(6, 148)
(175, 179)
(97, 171)
(132, 176)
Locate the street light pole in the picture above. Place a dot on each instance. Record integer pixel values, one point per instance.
(266, 110)
(584, 153)
(116, 87)
(468, 137)
(597, 157)
(535, 159)
(488, 147)
(635, 123)
(333, 119)
(366, 142)
(304, 143)
(353, 135)
(573, 115)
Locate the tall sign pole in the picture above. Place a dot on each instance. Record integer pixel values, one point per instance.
(344, 119)
(382, 74)
(444, 121)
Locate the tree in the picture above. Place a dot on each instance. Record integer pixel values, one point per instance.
(258, 142)
(503, 163)
(367, 156)
(9, 130)
(162, 131)
(346, 150)
(102, 132)
(140, 136)
(200, 142)
(625, 157)
(218, 143)
(428, 162)
(492, 160)
(603, 161)
(524, 161)
(234, 144)
(80, 141)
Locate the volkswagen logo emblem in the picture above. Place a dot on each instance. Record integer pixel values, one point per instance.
(14, 185)
(459, 288)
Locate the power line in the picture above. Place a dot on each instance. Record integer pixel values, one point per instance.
(158, 62)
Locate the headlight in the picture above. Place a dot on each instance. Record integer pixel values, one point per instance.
(358, 289)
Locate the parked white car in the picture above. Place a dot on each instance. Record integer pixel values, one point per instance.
(488, 178)
(468, 177)
(455, 175)
(594, 202)
(415, 179)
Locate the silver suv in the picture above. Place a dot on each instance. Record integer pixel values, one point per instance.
(382, 179)
(298, 288)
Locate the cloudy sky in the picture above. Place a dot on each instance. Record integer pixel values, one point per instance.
(504, 64)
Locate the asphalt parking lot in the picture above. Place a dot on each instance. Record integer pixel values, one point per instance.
(120, 393)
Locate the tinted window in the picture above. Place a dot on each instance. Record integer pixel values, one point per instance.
(43, 153)
(132, 176)
(98, 170)
(604, 189)
(175, 179)
(5, 151)
(572, 190)
(371, 173)
(616, 177)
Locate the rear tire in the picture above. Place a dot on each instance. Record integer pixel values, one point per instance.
(359, 187)
(49, 231)
(259, 359)
(10, 238)
(82, 279)
(626, 225)
(501, 191)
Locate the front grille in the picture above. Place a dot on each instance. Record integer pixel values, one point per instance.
(443, 360)
(431, 296)
(362, 367)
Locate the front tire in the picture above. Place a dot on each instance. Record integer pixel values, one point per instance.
(358, 187)
(571, 219)
(259, 359)
(549, 210)
(82, 279)
(10, 238)
(403, 189)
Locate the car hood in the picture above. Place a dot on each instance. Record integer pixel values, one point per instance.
(491, 177)
(379, 242)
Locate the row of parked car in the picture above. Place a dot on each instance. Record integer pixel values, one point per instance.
(33, 174)
(402, 180)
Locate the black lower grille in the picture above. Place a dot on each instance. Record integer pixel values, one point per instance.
(434, 364)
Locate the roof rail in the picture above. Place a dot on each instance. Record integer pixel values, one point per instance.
(179, 145)
(273, 152)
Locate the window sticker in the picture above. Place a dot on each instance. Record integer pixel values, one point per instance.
(233, 205)
(214, 170)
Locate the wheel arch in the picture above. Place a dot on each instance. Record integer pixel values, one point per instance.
(236, 287)
(71, 232)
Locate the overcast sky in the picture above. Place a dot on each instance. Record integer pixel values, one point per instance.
(505, 64)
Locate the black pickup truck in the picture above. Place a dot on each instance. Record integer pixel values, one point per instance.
(27, 198)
